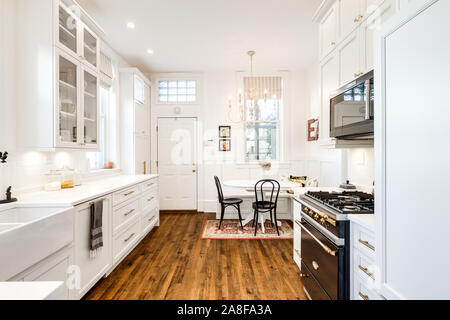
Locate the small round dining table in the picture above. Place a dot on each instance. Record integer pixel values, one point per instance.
(249, 185)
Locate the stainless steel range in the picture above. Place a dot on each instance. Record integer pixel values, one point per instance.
(325, 241)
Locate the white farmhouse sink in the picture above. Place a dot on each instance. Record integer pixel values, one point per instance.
(29, 235)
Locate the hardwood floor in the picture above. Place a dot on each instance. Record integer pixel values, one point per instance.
(174, 263)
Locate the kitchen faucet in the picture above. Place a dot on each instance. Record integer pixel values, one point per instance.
(9, 197)
(3, 157)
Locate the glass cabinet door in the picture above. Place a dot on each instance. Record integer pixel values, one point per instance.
(90, 108)
(68, 75)
(90, 46)
(68, 30)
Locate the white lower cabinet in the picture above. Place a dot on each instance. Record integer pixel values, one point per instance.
(363, 268)
(54, 268)
(126, 240)
(92, 269)
(125, 221)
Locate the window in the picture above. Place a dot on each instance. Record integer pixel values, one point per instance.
(107, 137)
(263, 102)
(177, 91)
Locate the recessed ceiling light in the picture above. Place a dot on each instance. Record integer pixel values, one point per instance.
(150, 51)
(131, 25)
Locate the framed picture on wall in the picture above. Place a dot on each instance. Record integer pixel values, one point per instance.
(224, 132)
(224, 145)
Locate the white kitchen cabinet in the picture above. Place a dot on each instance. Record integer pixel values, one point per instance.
(74, 36)
(329, 77)
(349, 59)
(411, 100)
(328, 31)
(363, 268)
(367, 31)
(77, 103)
(135, 121)
(58, 76)
(55, 268)
(92, 269)
(351, 13)
(91, 48)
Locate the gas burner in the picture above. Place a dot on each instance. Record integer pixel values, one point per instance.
(346, 202)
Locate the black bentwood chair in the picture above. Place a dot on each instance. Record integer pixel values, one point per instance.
(264, 204)
(225, 203)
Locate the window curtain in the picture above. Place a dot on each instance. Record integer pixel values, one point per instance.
(106, 70)
(263, 87)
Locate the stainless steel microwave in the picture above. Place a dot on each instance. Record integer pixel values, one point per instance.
(352, 109)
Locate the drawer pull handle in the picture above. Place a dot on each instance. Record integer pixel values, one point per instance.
(315, 265)
(129, 238)
(129, 212)
(366, 271)
(363, 296)
(324, 247)
(128, 194)
(149, 185)
(367, 244)
(148, 200)
(151, 219)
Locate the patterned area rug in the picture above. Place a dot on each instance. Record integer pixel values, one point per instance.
(231, 229)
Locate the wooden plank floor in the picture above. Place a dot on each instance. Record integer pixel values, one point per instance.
(174, 263)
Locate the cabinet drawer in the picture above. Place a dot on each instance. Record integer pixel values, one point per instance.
(125, 240)
(149, 221)
(364, 267)
(123, 215)
(124, 195)
(149, 201)
(150, 185)
(364, 241)
(361, 291)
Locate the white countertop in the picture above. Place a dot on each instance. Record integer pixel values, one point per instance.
(31, 290)
(83, 193)
(364, 220)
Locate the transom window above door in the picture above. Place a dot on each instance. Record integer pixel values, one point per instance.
(177, 91)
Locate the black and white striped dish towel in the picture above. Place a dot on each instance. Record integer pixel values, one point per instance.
(96, 228)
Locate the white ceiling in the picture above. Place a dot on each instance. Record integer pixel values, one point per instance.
(202, 35)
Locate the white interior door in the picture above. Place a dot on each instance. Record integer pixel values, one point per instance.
(177, 163)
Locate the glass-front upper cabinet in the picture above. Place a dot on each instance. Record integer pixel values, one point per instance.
(68, 30)
(90, 48)
(68, 100)
(90, 109)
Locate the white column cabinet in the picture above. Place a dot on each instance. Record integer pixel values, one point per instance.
(412, 236)
(58, 76)
(135, 121)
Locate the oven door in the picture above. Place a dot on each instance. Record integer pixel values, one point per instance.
(322, 258)
(352, 110)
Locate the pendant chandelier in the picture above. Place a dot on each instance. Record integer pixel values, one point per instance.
(247, 96)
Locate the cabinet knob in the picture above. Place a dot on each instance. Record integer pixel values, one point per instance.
(333, 43)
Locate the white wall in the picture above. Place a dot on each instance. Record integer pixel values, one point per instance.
(299, 157)
(26, 169)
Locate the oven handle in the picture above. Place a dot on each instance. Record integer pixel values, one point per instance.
(367, 93)
(324, 247)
